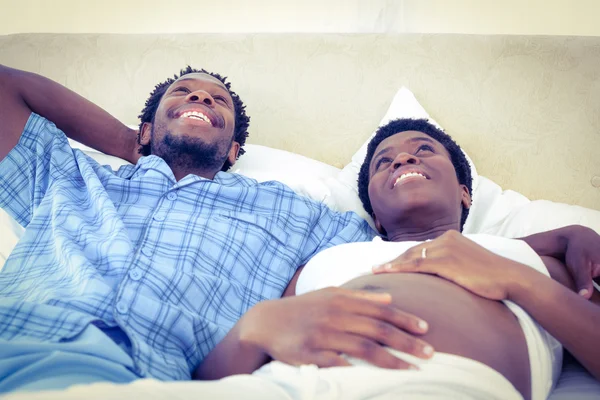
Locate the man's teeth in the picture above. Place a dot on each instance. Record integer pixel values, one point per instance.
(407, 175)
(196, 115)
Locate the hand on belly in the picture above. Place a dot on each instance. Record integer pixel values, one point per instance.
(460, 322)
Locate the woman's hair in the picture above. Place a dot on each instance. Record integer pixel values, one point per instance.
(242, 121)
(458, 158)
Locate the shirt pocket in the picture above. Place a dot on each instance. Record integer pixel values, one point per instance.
(247, 224)
(252, 250)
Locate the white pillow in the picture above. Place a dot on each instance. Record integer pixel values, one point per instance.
(543, 215)
(305, 176)
(494, 211)
(490, 204)
(404, 105)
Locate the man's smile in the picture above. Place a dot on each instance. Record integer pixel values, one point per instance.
(198, 114)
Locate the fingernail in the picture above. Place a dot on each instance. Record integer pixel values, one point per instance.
(385, 296)
(413, 367)
(428, 350)
(583, 292)
(382, 267)
(423, 325)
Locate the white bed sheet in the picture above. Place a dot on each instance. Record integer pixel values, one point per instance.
(575, 383)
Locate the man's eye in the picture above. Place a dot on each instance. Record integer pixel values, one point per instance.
(181, 89)
(381, 161)
(220, 98)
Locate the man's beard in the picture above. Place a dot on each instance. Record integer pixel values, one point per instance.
(183, 152)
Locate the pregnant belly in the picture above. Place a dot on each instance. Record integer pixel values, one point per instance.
(460, 322)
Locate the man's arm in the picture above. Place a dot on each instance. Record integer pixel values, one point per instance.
(316, 328)
(550, 243)
(23, 92)
(578, 247)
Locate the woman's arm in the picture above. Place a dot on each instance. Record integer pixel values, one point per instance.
(569, 317)
(79, 118)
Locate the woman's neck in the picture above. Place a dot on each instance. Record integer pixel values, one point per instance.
(420, 234)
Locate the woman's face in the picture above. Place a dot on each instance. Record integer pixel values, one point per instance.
(413, 180)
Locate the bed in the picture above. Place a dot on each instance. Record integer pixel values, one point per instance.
(524, 108)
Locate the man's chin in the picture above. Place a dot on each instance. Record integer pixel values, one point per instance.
(185, 151)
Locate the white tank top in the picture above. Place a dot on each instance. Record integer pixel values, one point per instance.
(340, 264)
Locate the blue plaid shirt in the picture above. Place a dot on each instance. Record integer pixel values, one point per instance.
(173, 264)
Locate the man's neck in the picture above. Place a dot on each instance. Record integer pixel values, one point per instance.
(181, 173)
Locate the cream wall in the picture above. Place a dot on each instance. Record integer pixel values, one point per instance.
(545, 17)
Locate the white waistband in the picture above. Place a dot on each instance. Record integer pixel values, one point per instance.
(444, 376)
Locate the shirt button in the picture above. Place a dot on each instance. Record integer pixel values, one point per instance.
(172, 196)
(135, 274)
(159, 217)
(146, 251)
(122, 307)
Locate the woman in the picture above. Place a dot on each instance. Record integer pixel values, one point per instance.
(416, 184)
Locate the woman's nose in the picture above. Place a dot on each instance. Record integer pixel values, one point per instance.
(405, 158)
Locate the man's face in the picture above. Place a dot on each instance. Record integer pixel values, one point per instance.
(194, 124)
(412, 177)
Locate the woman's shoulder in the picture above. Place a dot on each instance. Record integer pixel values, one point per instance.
(339, 264)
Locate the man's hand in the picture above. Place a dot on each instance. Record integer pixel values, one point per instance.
(578, 247)
(460, 260)
(582, 257)
(318, 327)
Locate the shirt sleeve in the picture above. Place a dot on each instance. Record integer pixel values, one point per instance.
(41, 156)
(332, 228)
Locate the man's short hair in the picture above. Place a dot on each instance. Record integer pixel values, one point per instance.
(458, 158)
(242, 121)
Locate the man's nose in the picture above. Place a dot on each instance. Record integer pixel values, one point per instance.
(200, 96)
(405, 158)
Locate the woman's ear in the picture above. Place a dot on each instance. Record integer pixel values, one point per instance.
(465, 197)
(378, 225)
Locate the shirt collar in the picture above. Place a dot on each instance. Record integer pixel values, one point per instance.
(156, 163)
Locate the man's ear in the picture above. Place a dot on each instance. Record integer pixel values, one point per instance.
(233, 152)
(465, 197)
(145, 133)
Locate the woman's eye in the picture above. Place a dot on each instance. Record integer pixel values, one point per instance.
(381, 161)
(425, 147)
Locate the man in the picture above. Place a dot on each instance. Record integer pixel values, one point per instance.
(143, 271)
(140, 272)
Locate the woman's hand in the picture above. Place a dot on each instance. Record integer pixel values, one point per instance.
(318, 327)
(460, 260)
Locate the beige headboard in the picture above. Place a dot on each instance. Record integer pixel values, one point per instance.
(526, 108)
